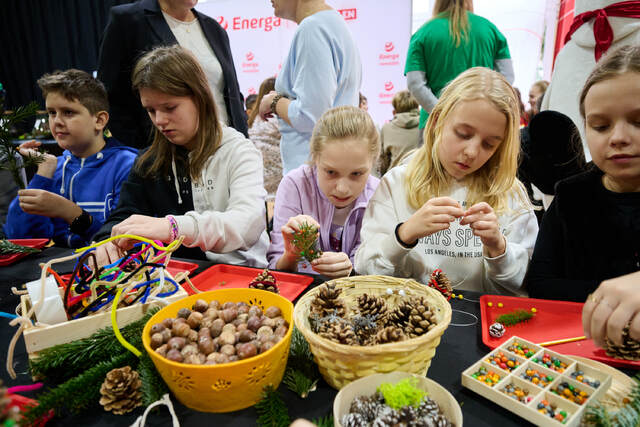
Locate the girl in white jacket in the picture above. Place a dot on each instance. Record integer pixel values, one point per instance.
(457, 205)
(199, 179)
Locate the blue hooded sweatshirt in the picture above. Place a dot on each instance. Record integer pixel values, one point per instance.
(92, 183)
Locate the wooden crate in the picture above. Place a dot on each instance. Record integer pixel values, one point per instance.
(528, 410)
(37, 338)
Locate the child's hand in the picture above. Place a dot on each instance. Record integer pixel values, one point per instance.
(332, 264)
(484, 223)
(435, 215)
(143, 226)
(108, 254)
(264, 109)
(46, 168)
(288, 231)
(42, 202)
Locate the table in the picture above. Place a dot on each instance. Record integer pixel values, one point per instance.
(459, 348)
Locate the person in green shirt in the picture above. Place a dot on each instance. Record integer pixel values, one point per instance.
(453, 41)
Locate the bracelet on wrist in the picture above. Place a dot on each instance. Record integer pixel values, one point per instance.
(274, 102)
(174, 227)
(402, 242)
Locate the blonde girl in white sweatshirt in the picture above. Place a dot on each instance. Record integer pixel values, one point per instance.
(457, 205)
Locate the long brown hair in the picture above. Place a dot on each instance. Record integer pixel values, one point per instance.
(266, 86)
(456, 12)
(175, 71)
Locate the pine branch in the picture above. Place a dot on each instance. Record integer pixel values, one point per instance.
(514, 317)
(300, 356)
(79, 393)
(64, 361)
(298, 382)
(306, 240)
(153, 386)
(10, 153)
(627, 416)
(7, 247)
(272, 412)
(326, 421)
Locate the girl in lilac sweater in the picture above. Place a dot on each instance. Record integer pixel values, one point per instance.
(330, 193)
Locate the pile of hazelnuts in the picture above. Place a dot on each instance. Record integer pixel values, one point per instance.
(212, 333)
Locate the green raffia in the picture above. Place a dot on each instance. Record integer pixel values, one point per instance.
(403, 393)
(7, 247)
(64, 361)
(272, 411)
(627, 416)
(79, 393)
(514, 317)
(153, 386)
(306, 241)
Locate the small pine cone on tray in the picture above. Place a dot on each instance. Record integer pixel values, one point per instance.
(421, 319)
(265, 281)
(121, 391)
(629, 350)
(400, 315)
(371, 305)
(328, 301)
(341, 332)
(390, 334)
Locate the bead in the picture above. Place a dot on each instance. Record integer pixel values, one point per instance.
(402, 293)
(490, 304)
(533, 310)
(460, 296)
(500, 305)
(389, 291)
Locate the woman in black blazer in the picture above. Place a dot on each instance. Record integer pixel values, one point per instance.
(137, 27)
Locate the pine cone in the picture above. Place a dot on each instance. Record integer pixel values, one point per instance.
(265, 281)
(327, 301)
(629, 350)
(121, 391)
(421, 318)
(9, 415)
(341, 332)
(371, 305)
(400, 315)
(441, 282)
(390, 334)
(365, 328)
(323, 324)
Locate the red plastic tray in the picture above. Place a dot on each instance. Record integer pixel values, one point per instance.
(554, 320)
(174, 267)
(222, 276)
(32, 243)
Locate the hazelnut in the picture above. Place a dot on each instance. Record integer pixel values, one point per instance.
(214, 304)
(176, 343)
(265, 331)
(227, 338)
(158, 327)
(281, 331)
(189, 349)
(254, 310)
(247, 335)
(168, 322)
(229, 327)
(179, 320)
(243, 309)
(247, 350)
(268, 321)
(204, 332)
(162, 350)
(192, 359)
(184, 313)
(193, 336)
(211, 313)
(281, 321)
(233, 358)
(241, 327)
(228, 349)
(254, 323)
(205, 345)
(229, 314)
(216, 327)
(221, 358)
(266, 346)
(181, 330)
(272, 311)
(212, 356)
(156, 340)
(228, 304)
(166, 335)
(200, 305)
(194, 319)
(242, 318)
(175, 355)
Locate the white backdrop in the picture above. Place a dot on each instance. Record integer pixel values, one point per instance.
(260, 42)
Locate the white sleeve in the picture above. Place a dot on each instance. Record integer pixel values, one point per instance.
(379, 251)
(506, 272)
(240, 225)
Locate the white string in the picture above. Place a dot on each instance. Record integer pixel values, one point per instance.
(165, 400)
(465, 324)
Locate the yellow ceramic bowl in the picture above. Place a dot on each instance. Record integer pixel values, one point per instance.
(230, 386)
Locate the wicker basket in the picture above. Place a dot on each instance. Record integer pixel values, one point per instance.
(340, 364)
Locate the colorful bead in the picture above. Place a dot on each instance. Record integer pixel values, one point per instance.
(519, 394)
(579, 376)
(533, 310)
(490, 304)
(571, 393)
(490, 378)
(500, 304)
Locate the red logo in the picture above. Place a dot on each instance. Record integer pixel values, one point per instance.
(252, 91)
(223, 22)
(349, 14)
(388, 86)
(250, 56)
(388, 46)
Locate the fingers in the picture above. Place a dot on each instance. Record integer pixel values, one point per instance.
(617, 321)
(634, 328)
(333, 264)
(587, 312)
(444, 201)
(599, 322)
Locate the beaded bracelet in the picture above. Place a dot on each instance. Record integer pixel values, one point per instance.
(174, 227)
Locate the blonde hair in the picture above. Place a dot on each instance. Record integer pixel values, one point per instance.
(175, 71)
(266, 86)
(495, 182)
(403, 101)
(344, 122)
(456, 12)
(542, 86)
(617, 62)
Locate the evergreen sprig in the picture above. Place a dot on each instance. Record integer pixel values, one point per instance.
(7, 247)
(9, 154)
(64, 361)
(306, 241)
(79, 393)
(627, 416)
(302, 375)
(272, 411)
(298, 382)
(514, 317)
(326, 421)
(153, 386)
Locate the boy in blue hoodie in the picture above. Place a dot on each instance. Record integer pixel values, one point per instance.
(71, 196)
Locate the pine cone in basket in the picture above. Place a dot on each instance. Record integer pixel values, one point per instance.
(323, 324)
(341, 332)
(328, 301)
(629, 350)
(390, 334)
(421, 318)
(9, 415)
(121, 391)
(265, 281)
(371, 305)
(365, 328)
(400, 315)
